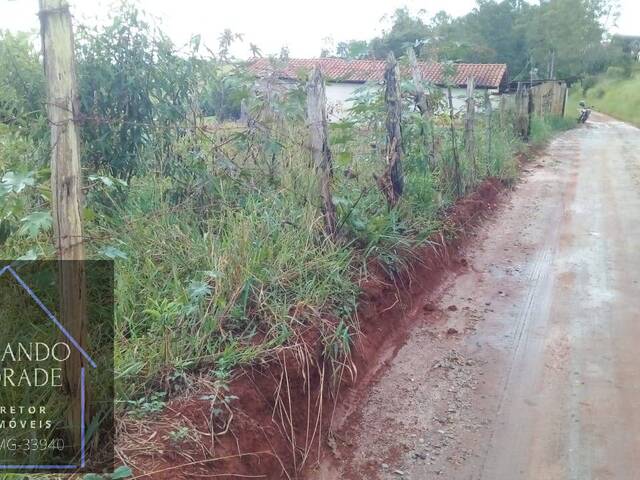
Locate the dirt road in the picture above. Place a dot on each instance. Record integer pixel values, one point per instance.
(525, 365)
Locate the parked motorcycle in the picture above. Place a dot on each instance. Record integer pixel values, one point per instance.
(584, 113)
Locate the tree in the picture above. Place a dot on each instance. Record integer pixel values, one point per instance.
(134, 89)
(450, 40)
(225, 40)
(562, 34)
(495, 28)
(563, 38)
(357, 49)
(406, 31)
(21, 79)
(255, 50)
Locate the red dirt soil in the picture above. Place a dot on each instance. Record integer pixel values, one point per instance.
(256, 444)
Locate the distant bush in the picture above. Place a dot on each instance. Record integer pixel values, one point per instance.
(618, 72)
(21, 79)
(135, 91)
(542, 128)
(588, 82)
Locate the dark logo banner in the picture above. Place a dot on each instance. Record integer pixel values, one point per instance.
(56, 366)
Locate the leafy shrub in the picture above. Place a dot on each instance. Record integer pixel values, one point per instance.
(618, 72)
(542, 128)
(22, 88)
(135, 91)
(588, 82)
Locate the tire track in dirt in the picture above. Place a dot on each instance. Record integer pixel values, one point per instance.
(522, 366)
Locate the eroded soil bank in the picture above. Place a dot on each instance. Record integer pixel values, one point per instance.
(268, 432)
(524, 364)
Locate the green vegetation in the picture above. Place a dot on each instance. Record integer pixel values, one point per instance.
(550, 39)
(542, 129)
(615, 92)
(214, 225)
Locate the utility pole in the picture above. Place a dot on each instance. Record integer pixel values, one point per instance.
(62, 108)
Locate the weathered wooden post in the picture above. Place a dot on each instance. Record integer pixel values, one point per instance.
(394, 133)
(457, 177)
(425, 108)
(244, 114)
(564, 95)
(469, 125)
(320, 152)
(416, 75)
(62, 108)
(523, 109)
(488, 111)
(551, 73)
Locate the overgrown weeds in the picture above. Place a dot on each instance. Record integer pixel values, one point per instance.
(214, 224)
(543, 128)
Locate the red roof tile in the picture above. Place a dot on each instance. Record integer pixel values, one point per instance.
(488, 75)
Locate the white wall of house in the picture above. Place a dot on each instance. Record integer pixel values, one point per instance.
(339, 94)
(459, 96)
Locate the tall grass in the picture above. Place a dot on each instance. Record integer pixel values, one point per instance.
(543, 128)
(221, 263)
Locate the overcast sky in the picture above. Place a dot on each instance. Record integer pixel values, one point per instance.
(304, 27)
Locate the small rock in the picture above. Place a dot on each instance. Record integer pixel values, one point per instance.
(398, 472)
(384, 466)
(452, 331)
(452, 308)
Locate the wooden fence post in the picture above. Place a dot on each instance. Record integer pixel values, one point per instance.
(523, 109)
(320, 152)
(244, 113)
(488, 111)
(469, 127)
(502, 110)
(394, 134)
(62, 108)
(416, 75)
(425, 108)
(457, 178)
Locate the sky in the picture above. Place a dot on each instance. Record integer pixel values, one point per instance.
(304, 27)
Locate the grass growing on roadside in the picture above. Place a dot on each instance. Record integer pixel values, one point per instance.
(610, 93)
(542, 129)
(220, 258)
(218, 268)
(206, 284)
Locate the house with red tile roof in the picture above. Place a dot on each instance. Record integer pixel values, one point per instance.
(345, 76)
